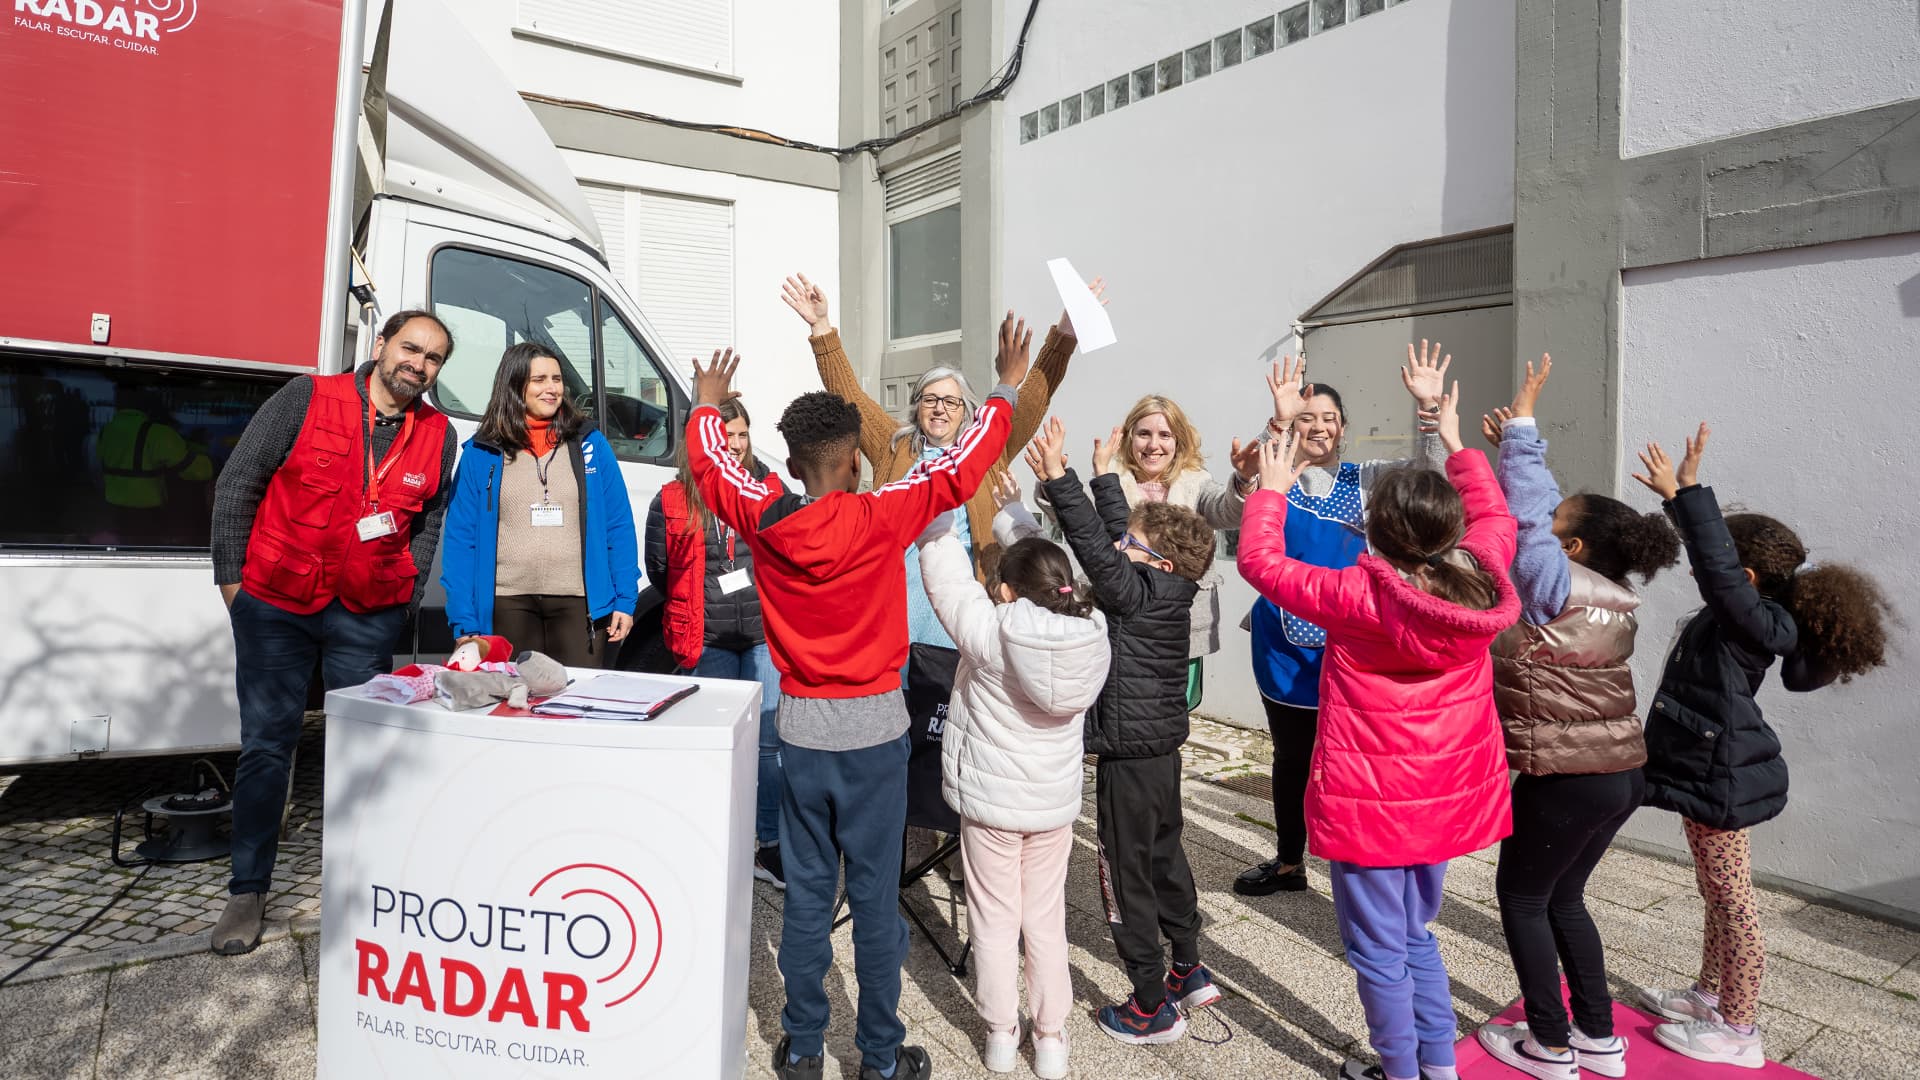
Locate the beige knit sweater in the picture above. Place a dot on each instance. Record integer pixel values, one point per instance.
(539, 561)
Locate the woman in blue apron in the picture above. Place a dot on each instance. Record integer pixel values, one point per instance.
(1325, 527)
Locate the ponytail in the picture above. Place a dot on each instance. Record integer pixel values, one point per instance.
(1466, 585)
(1842, 617)
(1037, 570)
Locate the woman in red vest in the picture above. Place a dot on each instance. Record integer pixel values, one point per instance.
(712, 618)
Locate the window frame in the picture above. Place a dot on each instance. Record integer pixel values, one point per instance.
(596, 302)
(939, 200)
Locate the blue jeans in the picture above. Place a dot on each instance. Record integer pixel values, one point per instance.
(755, 664)
(1383, 914)
(849, 804)
(274, 653)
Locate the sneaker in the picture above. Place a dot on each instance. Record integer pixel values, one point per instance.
(1050, 1056)
(766, 866)
(1194, 990)
(1606, 1057)
(912, 1064)
(1679, 1006)
(1713, 1041)
(807, 1068)
(1128, 1024)
(1515, 1046)
(1359, 1070)
(1264, 880)
(238, 930)
(1003, 1051)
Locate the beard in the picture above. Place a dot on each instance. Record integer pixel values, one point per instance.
(397, 385)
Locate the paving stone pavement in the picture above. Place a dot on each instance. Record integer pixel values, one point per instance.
(135, 997)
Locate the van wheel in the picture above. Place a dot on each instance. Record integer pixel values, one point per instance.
(645, 649)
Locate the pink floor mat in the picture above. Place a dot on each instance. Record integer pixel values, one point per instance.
(1646, 1058)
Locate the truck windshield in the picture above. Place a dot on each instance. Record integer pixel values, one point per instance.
(492, 302)
(116, 458)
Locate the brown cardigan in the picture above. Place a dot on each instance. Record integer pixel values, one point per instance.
(892, 460)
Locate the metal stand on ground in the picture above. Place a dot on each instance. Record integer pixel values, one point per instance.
(909, 875)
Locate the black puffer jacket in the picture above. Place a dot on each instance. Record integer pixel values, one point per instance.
(1710, 755)
(1143, 710)
(732, 619)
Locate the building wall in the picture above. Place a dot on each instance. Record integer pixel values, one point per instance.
(1220, 211)
(1770, 64)
(1797, 358)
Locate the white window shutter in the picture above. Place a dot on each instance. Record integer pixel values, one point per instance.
(684, 250)
(696, 33)
(610, 211)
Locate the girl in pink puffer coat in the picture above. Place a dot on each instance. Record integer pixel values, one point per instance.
(1410, 765)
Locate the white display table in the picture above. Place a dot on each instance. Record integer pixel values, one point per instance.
(516, 896)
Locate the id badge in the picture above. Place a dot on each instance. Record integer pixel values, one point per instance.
(735, 581)
(375, 526)
(546, 516)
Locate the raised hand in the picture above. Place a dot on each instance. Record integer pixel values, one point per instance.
(1047, 457)
(1290, 396)
(1659, 477)
(809, 301)
(1010, 365)
(710, 384)
(1425, 373)
(1103, 453)
(1688, 474)
(1529, 392)
(1098, 286)
(1246, 459)
(1006, 490)
(1279, 470)
(1492, 423)
(1443, 419)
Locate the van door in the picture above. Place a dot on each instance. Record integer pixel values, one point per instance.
(493, 294)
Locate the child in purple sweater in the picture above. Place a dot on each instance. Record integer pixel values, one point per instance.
(1573, 731)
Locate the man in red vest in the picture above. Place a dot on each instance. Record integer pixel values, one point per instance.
(325, 521)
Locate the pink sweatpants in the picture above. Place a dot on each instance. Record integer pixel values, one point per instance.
(1017, 882)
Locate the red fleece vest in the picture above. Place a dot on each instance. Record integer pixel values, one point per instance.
(305, 548)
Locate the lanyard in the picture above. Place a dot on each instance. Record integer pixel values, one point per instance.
(540, 467)
(721, 530)
(376, 478)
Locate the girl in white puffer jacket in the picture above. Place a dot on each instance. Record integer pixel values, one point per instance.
(1033, 657)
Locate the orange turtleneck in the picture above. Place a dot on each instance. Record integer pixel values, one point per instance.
(540, 434)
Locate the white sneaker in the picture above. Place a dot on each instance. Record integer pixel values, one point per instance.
(1513, 1045)
(1003, 1051)
(1713, 1041)
(1679, 1006)
(1050, 1056)
(1607, 1057)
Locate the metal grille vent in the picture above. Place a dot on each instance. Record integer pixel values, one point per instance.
(911, 184)
(1454, 268)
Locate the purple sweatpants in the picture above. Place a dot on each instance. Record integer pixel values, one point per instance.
(1383, 914)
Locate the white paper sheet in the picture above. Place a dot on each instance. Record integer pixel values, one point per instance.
(1090, 322)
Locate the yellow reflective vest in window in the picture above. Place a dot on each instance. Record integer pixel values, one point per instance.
(139, 456)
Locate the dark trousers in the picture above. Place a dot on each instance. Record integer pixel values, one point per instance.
(1294, 729)
(851, 805)
(1561, 827)
(1147, 885)
(555, 625)
(274, 653)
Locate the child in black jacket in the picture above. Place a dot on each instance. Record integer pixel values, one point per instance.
(1711, 756)
(1144, 566)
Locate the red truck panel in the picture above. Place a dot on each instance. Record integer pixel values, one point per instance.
(165, 162)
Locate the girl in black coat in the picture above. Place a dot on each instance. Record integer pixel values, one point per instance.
(1711, 756)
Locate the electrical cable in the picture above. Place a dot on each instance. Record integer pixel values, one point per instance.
(995, 88)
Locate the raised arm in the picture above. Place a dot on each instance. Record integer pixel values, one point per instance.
(1117, 587)
(959, 602)
(1724, 586)
(1490, 529)
(1012, 521)
(877, 426)
(728, 489)
(1330, 598)
(1541, 574)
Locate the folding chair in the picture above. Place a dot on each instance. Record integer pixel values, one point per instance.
(929, 683)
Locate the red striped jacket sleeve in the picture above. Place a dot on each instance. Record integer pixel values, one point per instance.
(728, 489)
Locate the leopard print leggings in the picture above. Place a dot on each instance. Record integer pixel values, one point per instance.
(1734, 959)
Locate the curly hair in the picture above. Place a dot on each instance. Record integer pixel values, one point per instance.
(1416, 518)
(817, 426)
(1178, 533)
(1619, 540)
(1037, 570)
(1841, 613)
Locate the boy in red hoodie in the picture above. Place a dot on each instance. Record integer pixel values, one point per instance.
(833, 592)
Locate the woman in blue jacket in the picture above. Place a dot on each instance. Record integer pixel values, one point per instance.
(539, 545)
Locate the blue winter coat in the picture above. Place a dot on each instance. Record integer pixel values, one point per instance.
(469, 543)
